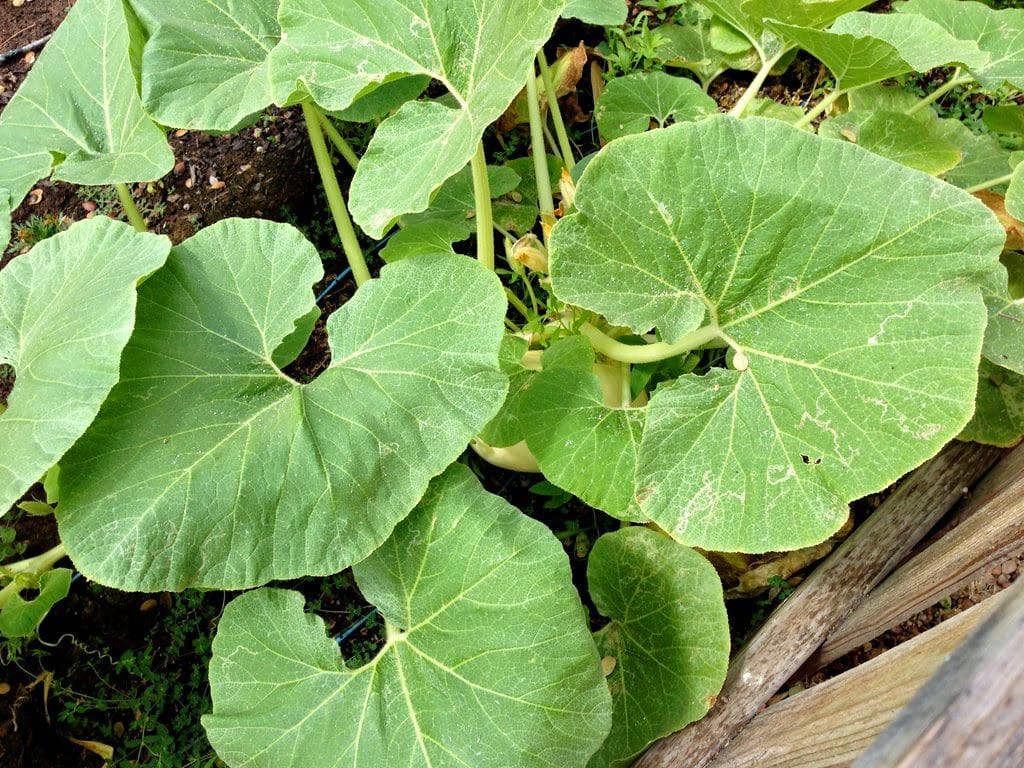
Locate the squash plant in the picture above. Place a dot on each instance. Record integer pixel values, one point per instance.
(745, 326)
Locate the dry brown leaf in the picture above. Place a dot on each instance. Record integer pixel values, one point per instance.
(565, 75)
(35, 197)
(1014, 228)
(96, 747)
(608, 665)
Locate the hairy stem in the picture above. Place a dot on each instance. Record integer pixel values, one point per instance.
(755, 86)
(647, 353)
(556, 112)
(938, 93)
(343, 147)
(990, 183)
(335, 198)
(540, 162)
(128, 206)
(484, 214)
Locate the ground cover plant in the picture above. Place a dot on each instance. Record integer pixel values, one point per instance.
(730, 327)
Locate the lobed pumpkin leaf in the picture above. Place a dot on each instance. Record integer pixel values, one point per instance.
(78, 112)
(480, 51)
(861, 333)
(864, 48)
(1000, 34)
(1015, 193)
(210, 467)
(489, 661)
(67, 309)
(205, 63)
(668, 638)
(630, 103)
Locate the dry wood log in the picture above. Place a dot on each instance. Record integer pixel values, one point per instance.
(831, 592)
(992, 529)
(971, 713)
(831, 724)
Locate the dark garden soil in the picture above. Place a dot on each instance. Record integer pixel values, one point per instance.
(128, 670)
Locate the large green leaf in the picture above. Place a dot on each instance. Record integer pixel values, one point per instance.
(1004, 337)
(920, 144)
(5, 218)
(862, 48)
(999, 417)
(861, 332)
(1015, 193)
(629, 104)
(804, 13)
(205, 64)
(67, 309)
(669, 637)
(78, 111)
(601, 12)
(690, 46)
(571, 430)
(480, 50)
(21, 617)
(489, 661)
(1000, 34)
(208, 466)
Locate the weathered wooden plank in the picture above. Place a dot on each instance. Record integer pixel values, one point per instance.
(991, 530)
(971, 713)
(830, 724)
(831, 592)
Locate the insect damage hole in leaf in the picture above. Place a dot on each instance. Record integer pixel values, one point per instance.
(861, 333)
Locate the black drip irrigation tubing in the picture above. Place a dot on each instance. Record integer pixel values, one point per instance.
(35, 45)
(348, 270)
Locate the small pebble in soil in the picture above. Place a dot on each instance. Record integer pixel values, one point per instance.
(5, 688)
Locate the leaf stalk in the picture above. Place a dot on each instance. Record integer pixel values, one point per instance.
(648, 353)
(335, 198)
(131, 211)
(484, 213)
(540, 162)
(755, 86)
(556, 112)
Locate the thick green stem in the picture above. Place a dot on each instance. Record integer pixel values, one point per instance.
(34, 566)
(540, 162)
(516, 302)
(343, 147)
(938, 93)
(755, 86)
(556, 112)
(484, 214)
(990, 183)
(128, 206)
(335, 198)
(647, 353)
(38, 564)
(820, 107)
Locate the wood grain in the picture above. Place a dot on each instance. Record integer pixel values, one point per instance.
(829, 594)
(971, 713)
(992, 529)
(831, 724)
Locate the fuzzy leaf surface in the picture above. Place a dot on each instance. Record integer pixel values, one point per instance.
(999, 417)
(863, 48)
(629, 104)
(669, 637)
(598, 12)
(490, 662)
(919, 144)
(1004, 336)
(1000, 34)
(480, 50)
(79, 103)
(208, 466)
(205, 64)
(862, 332)
(67, 309)
(570, 430)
